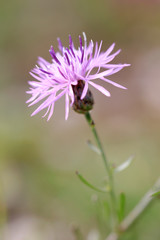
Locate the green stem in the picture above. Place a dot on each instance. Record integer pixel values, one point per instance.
(106, 163)
(135, 214)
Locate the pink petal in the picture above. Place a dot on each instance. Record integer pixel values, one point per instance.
(34, 84)
(35, 76)
(45, 104)
(101, 89)
(111, 57)
(42, 60)
(51, 112)
(113, 83)
(51, 99)
(32, 98)
(67, 107)
(110, 49)
(115, 65)
(71, 94)
(85, 39)
(116, 70)
(45, 94)
(85, 89)
(96, 49)
(100, 45)
(46, 111)
(99, 75)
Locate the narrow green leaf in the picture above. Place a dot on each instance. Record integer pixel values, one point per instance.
(93, 147)
(122, 203)
(89, 184)
(124, 165)
(156, 194)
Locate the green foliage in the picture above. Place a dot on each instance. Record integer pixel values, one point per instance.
(156, 194)
(122, 205)
(89, 184)
(93, 147)
(124, 165)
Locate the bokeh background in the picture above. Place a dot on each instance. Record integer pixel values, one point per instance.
(40, 195)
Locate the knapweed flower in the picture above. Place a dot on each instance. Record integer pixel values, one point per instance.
(71, 67)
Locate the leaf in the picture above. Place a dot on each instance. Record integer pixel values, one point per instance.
(124, 165)
(156, 194)
(93, 147)
(122, 204)
(89, 184)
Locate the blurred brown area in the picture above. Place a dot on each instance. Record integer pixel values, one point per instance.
(40, 195)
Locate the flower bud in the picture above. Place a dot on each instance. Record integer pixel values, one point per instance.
(82, 105)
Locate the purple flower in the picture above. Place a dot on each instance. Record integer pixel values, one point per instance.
(70, 65)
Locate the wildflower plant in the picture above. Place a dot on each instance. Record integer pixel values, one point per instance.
(70, 74)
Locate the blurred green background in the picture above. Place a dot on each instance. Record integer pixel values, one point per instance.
(40, 195)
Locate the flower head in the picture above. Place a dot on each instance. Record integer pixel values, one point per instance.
(68, 67)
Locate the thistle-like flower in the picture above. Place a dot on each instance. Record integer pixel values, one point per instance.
(71, 71)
